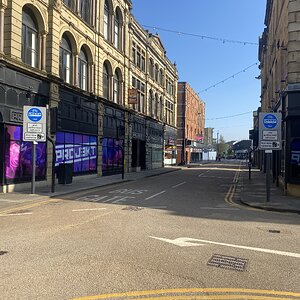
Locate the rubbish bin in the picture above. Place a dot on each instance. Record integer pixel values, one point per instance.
(65, 173)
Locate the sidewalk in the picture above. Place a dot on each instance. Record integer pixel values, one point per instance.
(253, 193)
(81, 184)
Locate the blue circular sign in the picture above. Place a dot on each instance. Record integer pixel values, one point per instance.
(34, 114)
(270, 121)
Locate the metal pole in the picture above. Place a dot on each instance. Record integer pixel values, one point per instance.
(33, 167)
(268, 168)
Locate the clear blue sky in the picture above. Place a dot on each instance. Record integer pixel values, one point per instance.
(204, 62)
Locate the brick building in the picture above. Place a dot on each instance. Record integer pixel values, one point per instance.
(190, 124)
(81, 59)
(279, 55)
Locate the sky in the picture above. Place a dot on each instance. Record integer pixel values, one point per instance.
(204, 62)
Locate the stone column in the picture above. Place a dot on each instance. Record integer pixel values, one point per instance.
(53, 102)
(75, 73)
(2, 8)
(43, 50)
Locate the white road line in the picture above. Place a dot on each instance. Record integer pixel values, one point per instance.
(187, 242)
(88, 209)
(12, 215)
(155, 195)
(179, 184)
(200, 175)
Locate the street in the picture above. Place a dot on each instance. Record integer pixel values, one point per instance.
(181, 235)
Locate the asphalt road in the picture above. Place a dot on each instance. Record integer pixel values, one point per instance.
(174, 236)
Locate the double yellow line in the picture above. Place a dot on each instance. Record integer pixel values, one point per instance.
(200, 293)
(232, 190)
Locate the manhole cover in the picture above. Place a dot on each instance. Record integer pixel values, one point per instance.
(3, 252)
(132, 208)
(228, 262)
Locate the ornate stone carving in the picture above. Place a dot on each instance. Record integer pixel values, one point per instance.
(56, 4)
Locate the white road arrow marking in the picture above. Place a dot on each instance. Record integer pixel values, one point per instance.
(181, 242)
(188, 242)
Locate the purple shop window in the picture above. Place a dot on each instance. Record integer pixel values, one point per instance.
(12, 161)
(78, 138)
(69, 138)
(14, 132)
(93, 140)
(85, 139)
(60, 137)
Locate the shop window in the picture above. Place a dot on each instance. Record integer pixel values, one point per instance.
(112, 156)
(18, 157)
(77, 149)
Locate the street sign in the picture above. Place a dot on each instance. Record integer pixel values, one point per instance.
(34, 124)
(269, 134)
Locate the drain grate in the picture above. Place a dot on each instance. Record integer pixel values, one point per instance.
(274, 231)
(228, 262)
(132, 208)
(3, 252)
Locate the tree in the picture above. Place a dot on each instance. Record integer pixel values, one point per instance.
(222, 147)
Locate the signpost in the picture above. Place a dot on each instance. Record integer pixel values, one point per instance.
(269, 139)
(34, 130)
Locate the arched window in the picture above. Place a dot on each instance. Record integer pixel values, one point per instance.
(30, 37)
(83, 70)
(161, 108)
(161, 77)
(151, 103)
(85, 9)
(151, 68)
(65, 60)
(105, 81)
(118, 30)
(156, 72)
(106, 29)
(156, 106)
(117, 87)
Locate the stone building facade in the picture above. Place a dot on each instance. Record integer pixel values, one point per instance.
(190, 124)
(76, 57)
(279, 55)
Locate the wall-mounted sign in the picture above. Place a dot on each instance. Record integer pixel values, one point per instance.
(132, 96)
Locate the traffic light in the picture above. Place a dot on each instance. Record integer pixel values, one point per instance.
(253, 135)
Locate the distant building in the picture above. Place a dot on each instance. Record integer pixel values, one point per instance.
(208, 138)
(190, 124)
(279, 56)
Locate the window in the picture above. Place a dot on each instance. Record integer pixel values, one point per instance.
(151, 68)
(138, 57)
(106, 21)
(143, 61)
(156, 106)
(86, 10)
(161, 77)
(156, 73)
(117, 87)
(169, 113)
(65, 59)
(161, 108)
(77, 149)
(133, 54)
(105, 81)
(118, 30)
(29, 38)
(18, 157)
(70, 4)
(141, 94)
(83, 70)
(150, 103)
